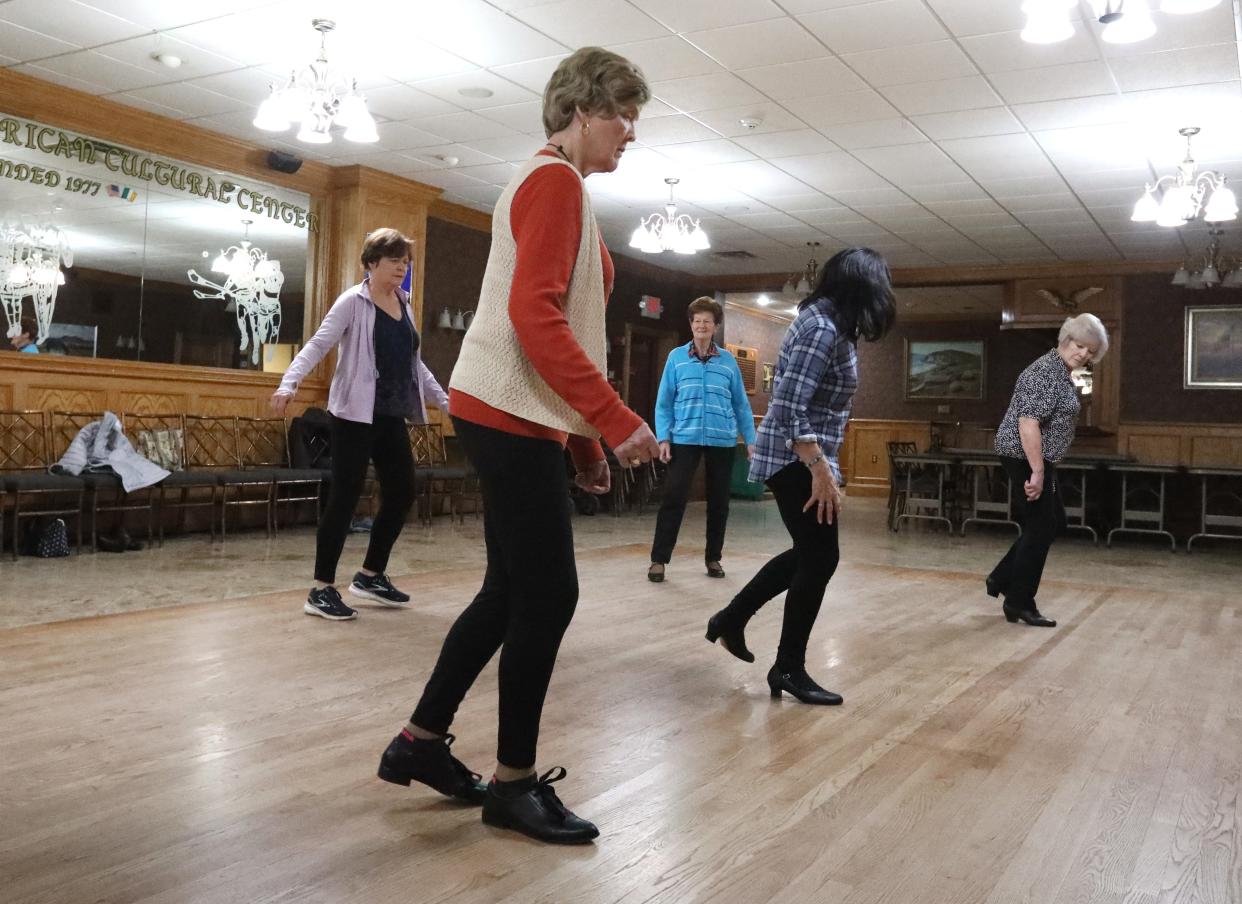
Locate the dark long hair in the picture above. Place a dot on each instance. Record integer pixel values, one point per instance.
(860, 287)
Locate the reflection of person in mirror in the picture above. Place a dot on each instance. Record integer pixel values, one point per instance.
(529, 382)
(380, 382)
(24, 339)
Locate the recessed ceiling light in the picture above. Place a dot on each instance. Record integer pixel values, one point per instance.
(171, 60)
(447, 159)
(478, 93)
(750, 123)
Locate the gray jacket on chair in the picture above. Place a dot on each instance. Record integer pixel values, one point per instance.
(102, 446)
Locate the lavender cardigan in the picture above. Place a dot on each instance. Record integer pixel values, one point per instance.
(350, 325)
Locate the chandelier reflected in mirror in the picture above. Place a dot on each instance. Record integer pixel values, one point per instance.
(668, 231)
(801, 284)
(250, 283)
(1186, 195)
(318, 97)
(30, 266)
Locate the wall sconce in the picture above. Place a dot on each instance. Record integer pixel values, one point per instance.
(462, 321)
(454, 320)
(446, 319)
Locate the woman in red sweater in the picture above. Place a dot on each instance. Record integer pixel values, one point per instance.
(529, 382)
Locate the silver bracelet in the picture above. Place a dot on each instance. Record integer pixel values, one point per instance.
(816, 460)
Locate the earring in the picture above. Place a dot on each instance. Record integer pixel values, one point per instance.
(586, 128)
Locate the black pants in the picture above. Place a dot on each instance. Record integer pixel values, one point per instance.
(681, 468)
(1019, 572)
(802, 573)
(529, 592)
(354, 444)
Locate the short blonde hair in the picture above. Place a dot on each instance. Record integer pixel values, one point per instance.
(1087, 329)
(595, 81)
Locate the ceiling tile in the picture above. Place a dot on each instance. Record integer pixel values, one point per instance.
(142, 103)
(833, 109)
(874, 134)
(912, 164)
(1179, 31)
(513, 148)
(804, 203)
(70, 21)
(250, 86)
(704, 153)
(706, 92)
(437, 157)
(758, 44)
(1003, 188)
(806, 78)
(950, 210)
(584, 23)
(696, 15)
(874, 26)
(447, 179)
(1089, 148)
(1006, 51)
(1174, 68)
(398, 102)
(1077, 111)
(970, 17)
(861, 198)
(460, 127)
(191, 100)
(449, 87)
(770, 117)
(756, 178)
(106, 74)
(1019, 204)
(831, 172)
(1053, 82)
(532, 75)
(945, 191)
(968, 123)
(479, 33)
(672, 57)
(785, 144)
(672, 130)
(527, 117)
(914, 63)
(969, 93)
(498, 174)
(195, 61)
(22, 44)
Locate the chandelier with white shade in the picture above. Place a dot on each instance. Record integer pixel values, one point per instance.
(318, 98)
(668, 231)
(1187, 194)
(1213, 271)
(30, 262)
(1124, 21)
(801, 284)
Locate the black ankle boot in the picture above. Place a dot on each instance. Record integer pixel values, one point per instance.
(1031, 615)
(531, 807)
(801, 686)
(430, 762)
(734, 638)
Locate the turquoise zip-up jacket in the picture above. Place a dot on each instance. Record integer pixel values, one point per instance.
(702, 403)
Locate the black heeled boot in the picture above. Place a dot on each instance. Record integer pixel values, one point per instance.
(531, 807)
(1028, 614)
(734, 638)
(430, 762)
(801, 686)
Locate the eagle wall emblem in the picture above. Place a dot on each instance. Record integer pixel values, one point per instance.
(1068, 302)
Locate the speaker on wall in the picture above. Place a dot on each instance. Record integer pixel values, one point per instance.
(282, 162)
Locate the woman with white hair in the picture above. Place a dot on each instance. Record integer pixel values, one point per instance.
(1034, 435)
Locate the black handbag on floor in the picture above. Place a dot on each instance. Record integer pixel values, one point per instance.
(46, 538)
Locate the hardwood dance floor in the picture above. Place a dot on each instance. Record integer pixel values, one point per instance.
(226, 752)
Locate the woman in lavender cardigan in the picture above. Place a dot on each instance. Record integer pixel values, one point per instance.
(380, 381)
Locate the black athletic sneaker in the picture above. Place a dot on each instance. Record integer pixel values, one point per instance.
(327, 603)
(377, 587)
(430, 762)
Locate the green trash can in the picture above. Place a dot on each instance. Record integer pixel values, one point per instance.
(739, 486)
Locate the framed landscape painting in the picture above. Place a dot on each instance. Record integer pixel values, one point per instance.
(945, 369)
(1213, 348)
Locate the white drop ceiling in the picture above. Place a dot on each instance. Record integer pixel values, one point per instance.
(924, 128)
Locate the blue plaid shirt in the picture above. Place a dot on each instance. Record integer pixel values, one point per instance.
(816, 377)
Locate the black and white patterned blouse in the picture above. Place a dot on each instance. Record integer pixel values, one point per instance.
(1045, 392)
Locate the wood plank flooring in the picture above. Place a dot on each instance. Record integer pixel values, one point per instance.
(226, 752)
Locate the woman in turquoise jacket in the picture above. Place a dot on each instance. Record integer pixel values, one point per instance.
(700, 410)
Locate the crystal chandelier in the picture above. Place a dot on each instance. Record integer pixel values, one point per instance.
(318, 97)
(801, 284)
(30, 262)
(251, 284)
(1124, 21)
(1186, 194)
(669, 232)
(1213, 272)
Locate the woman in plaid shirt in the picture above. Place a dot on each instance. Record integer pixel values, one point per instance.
(796, 456)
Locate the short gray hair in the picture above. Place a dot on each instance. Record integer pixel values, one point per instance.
(1088, 330)
(595, 81)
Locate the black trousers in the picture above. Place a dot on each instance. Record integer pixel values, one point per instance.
(354, 444)
(681, 468)
(1018, 574)
(802, 572)
(529, 592)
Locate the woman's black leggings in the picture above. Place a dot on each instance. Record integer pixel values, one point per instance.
(529, 592)
(802, 572)
(354, 445)
(1018, 574)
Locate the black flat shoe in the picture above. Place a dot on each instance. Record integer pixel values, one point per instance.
(734, 639)
(653, 575)
(801, 686)
(430, 762)
(994, 589)
(531, 807)
(714, 570)
(1031, 616)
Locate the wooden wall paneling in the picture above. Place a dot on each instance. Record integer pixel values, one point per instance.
(66, 398)
(867, 452)
(6, 398)
(143, 402)
(225, 406)
(1214, 451)
(1188, 445)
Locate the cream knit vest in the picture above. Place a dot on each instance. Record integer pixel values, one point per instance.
(492, 366)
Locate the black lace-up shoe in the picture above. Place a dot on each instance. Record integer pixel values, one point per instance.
(377, 587)
(327, 603)
(531, 807)
(430, 762)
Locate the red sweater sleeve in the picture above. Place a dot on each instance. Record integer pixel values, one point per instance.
(546, 218)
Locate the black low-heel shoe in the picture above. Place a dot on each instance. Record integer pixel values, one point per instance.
(430, 762)
(734, 640)
(1032, 617)
(531, 807)
(801, 686)
(994, 589)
